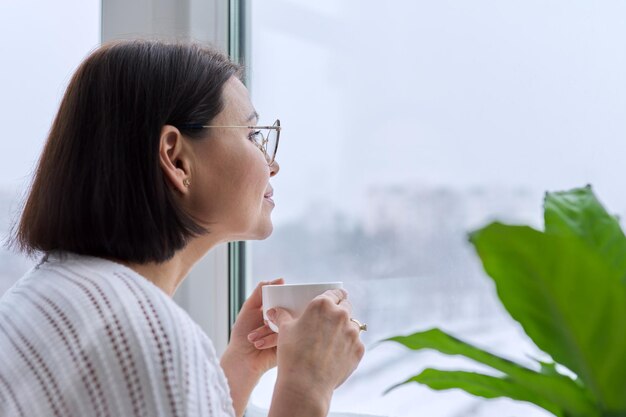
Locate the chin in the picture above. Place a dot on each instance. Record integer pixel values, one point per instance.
(265, 233)
(260, 233)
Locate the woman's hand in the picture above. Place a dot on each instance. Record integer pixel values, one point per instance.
(316, 353)
(251, 351)
(252, 341)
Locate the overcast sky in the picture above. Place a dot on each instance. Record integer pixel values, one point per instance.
(455, 93)
(41, 43)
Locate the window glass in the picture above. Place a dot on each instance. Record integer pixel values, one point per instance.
(41, 44)
(405, 126)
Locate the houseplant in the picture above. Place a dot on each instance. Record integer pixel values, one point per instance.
(566, 286)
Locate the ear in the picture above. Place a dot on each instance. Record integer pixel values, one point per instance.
(175, 159)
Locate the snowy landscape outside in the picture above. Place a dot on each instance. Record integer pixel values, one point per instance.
(409, 124)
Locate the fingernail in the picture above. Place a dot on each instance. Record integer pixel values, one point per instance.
(271, 313)
(276, 280)
(253, 336)
(259, 343)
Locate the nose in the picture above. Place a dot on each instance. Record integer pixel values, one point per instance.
(274, 168)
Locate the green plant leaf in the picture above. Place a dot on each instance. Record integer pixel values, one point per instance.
(567, 298)
(481, 385)
(555, 388)
(548, 368)
(579, 213)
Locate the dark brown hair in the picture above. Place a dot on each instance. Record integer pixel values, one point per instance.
(98, 189)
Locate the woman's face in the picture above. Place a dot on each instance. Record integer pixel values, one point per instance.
(230, 190)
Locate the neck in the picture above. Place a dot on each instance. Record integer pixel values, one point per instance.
(170, 274)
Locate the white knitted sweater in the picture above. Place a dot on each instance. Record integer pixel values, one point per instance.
(82, 336)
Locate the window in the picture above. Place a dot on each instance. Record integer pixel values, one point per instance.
(407, 125)
(42, 43)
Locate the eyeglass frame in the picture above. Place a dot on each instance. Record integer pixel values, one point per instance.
(262, 147)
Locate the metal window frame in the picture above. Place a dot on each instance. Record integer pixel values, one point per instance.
(239, 261)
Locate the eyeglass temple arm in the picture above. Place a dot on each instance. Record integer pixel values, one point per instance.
(247, 127)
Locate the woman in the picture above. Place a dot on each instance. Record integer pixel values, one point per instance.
(150, 163)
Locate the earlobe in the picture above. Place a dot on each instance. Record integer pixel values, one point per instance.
(173, 159)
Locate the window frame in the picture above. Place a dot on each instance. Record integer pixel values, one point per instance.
(238, 252)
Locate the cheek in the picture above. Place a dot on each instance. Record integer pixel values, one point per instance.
(252, 185)
(205, 202)
(240, 194)
(232, 193)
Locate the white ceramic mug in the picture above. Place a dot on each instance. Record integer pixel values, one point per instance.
(293, 297)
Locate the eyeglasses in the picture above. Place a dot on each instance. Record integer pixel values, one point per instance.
(266, 142)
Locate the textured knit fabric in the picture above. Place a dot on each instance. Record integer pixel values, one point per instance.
(82, 336)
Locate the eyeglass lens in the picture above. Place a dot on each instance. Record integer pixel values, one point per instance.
(271, 145)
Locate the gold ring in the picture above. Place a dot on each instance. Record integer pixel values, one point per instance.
(362, 327)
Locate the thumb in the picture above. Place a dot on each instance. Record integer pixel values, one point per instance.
(279, 316)
(256, 300)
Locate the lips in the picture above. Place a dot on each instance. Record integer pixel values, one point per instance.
(268, 197)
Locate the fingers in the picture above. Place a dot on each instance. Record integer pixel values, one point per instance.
(267, 342)
(335, 299)
(336, 295)
(347, 305)
(263, 338)
(279, 316)
(277, 281)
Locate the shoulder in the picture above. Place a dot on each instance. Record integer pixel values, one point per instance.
(118, 337)
(96, 294)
